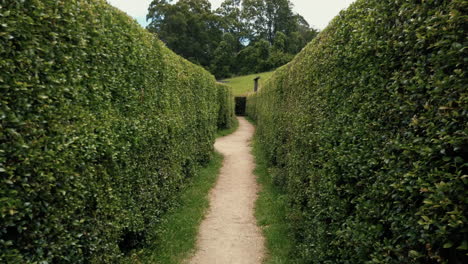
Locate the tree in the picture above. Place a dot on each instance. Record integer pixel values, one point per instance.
(230, 13)
(278, 54)
(254, 58)
(264, 18)
(241, 36)
(302, 35)
(223, 63)
(188, 27)
(279, 43)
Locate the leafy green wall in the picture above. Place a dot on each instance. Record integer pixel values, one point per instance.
(100, 126)
(366, 129)
(226, 116)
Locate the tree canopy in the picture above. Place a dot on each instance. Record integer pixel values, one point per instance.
(240, 37)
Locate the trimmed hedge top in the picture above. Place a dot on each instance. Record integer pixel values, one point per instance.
(367, 131)
(100, 125)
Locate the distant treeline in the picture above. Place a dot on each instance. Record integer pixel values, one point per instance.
(239, 37)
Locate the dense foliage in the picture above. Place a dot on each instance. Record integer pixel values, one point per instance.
(100, 125)
(240, 37)
(367, 131)
(226, 116)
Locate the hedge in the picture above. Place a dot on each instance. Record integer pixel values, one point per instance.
(100, 126)
(366, 129)
(226, 116)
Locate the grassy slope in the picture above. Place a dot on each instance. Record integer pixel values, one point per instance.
(243, 85)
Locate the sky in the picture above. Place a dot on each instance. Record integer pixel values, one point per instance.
(317, 12)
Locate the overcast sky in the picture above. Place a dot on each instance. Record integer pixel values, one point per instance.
(317, 12)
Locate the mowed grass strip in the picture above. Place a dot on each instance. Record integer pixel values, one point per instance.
(271, 211)
(243, 85)
(179, 227)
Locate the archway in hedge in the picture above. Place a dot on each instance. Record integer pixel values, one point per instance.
(241, 102)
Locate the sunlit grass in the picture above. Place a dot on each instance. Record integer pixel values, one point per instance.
(243, 85)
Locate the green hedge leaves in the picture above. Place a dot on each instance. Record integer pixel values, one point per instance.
(367, 131)
(226, 115)
(100, 126)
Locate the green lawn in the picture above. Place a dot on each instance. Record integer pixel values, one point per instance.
(243, 85)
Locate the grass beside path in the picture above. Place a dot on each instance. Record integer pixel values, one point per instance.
(243, 85)
(179, 227)
(271, 209)
(177, 233)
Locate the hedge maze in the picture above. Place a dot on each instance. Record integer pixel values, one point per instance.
(366, 131)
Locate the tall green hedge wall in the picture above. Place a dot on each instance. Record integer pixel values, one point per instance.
(226, 115)
(100, 125)
(367, 131)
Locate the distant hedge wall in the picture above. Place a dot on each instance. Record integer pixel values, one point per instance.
(367, 131)
(226, 115)
(100, 125)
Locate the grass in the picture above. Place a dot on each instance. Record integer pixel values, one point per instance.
(243, 85)
(177, 233)
(178, 230)
(271, 209)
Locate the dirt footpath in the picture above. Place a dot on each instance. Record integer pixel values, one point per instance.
(229, 234)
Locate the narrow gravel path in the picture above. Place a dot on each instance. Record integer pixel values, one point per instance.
(229, 234)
